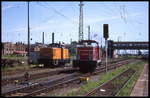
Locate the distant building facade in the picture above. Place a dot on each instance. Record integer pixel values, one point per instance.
(20, 48)
(8, 48)
(36, 46)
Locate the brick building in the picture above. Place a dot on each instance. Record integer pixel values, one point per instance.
(8, 48)
(20, 48)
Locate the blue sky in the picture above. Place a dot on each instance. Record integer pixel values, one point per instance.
(128, 21)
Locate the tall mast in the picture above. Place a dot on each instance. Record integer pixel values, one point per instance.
(81, 22)
(28, 36)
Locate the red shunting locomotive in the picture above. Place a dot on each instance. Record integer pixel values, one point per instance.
(87, 56)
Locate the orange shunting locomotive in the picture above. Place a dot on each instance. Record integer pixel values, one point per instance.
(87, 56)
(55, 54)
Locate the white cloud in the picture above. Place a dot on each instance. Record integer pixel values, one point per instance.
(67, 24)
(11, 6)
(51, 21)
(20, 29)
(134, 14)
(38, 28)
(100, 19)
(8, 6)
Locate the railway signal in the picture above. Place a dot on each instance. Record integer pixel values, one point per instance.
(105, 31)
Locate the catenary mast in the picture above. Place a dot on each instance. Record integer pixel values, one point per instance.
(81, 22)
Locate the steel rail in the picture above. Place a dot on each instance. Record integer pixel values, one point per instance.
(16, 90)
(93, 91)
(6, 81)
(125, 84)
(46, 88)
(53, 86)
(39, 84)
(50, 87)
(15, 78)
(33, 76)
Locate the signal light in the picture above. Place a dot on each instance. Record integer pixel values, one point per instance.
(105, 30)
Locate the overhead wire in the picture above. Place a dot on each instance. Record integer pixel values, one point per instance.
(133, 28)
(12, 6)
(52, 16)
(110, 9)
(8, 7)
(45, 20)
(123, 14)
(48, 4)
(56, 11)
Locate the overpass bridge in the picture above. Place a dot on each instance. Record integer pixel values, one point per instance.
(128, 45)
(131, 45)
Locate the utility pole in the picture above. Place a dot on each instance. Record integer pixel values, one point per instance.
(81, 22)
(28, 36)
(124, 40)
(105, 31)
(118, 49)
(106, 53)
(101, 48)
(88, 32)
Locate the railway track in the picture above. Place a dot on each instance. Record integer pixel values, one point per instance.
(113, 86)
(11, 80)
(36, 89)
(113, 66)
(23, 91)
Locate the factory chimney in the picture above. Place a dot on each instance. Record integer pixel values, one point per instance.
(88, 32)
(43, 38)
(53, 37)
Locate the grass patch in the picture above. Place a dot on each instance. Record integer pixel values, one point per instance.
(15, 57)
(115, 59)
(84, 89)
(70, 93)
(17, 67)
(91, 85)
(126, 91)
(43, 79)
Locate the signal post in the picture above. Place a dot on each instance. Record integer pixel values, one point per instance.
(105, 31)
